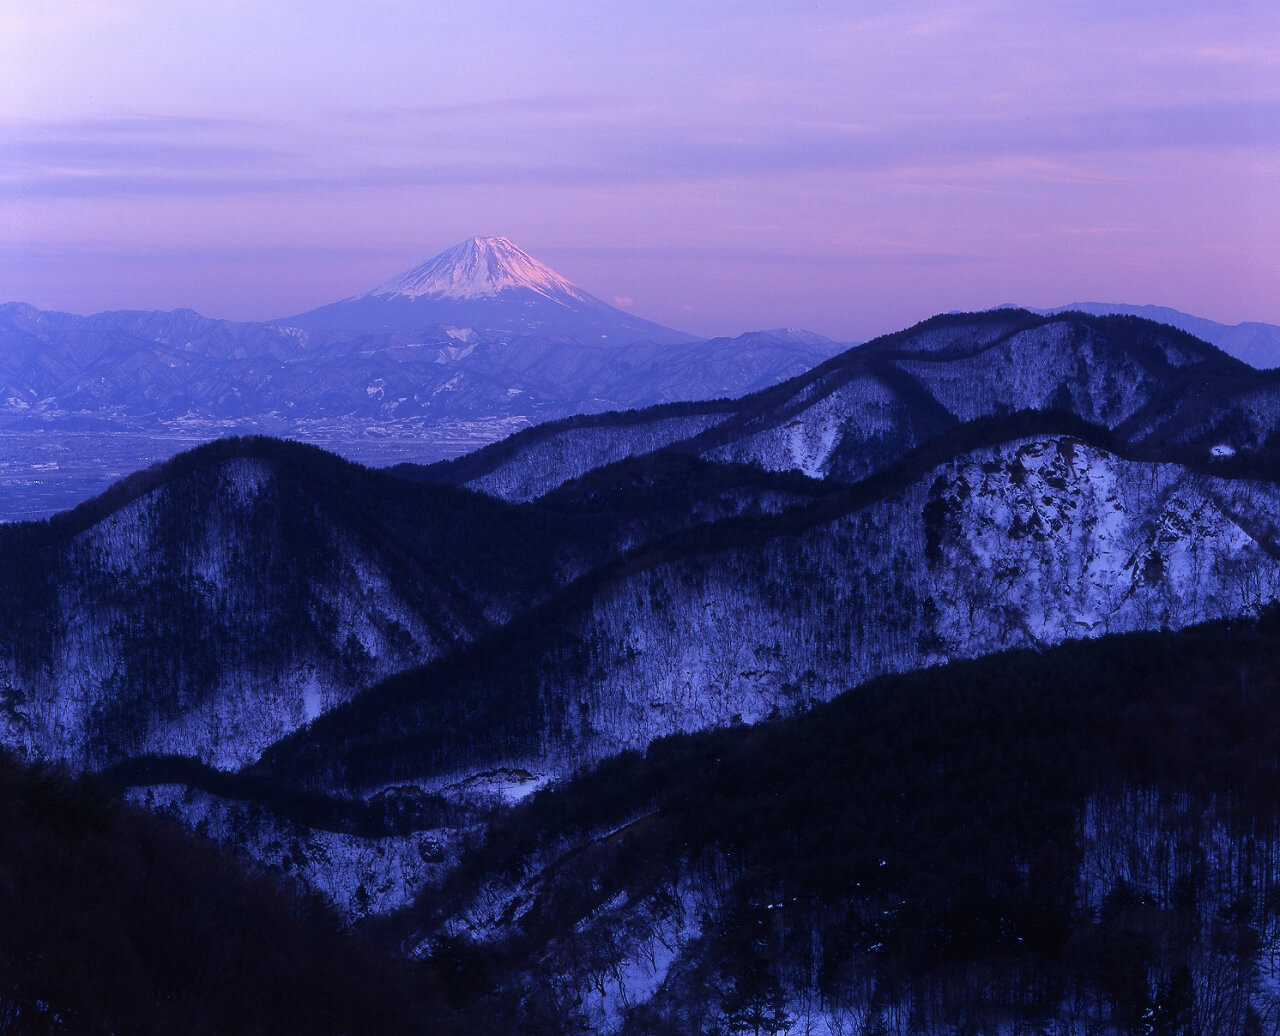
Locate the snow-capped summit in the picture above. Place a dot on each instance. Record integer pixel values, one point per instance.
(481, 267)
(493, 285)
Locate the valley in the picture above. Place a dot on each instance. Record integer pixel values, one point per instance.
(51, 469)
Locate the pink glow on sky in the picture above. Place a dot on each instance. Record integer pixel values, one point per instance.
(723, 165)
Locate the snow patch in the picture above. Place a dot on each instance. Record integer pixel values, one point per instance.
(482, 267)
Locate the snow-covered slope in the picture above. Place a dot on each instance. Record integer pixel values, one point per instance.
(359, 874)
(851, 415)
(861, 409)
(537, 460)
(212, 606)
(1024, 542)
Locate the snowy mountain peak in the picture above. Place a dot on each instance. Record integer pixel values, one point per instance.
(481, 267)
(492, 285)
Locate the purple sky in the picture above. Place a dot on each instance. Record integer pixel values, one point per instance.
(716, 166)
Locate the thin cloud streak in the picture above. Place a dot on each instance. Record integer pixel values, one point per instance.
(782, 257)
(107, 163)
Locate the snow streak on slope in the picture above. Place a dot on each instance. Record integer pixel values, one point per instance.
(551, 459)
(862, 410)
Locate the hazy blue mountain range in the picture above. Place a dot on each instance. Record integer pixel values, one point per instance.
(462, 350)
(179, 371)
(1256, 343)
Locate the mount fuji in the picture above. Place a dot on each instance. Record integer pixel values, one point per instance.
(491, 285)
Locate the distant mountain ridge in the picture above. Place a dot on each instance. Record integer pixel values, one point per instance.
(861, 409)
(182, 371)
(1256, 343)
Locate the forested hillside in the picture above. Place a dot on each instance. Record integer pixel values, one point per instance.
(1085, 839)
(927, 692)
(114, 922)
